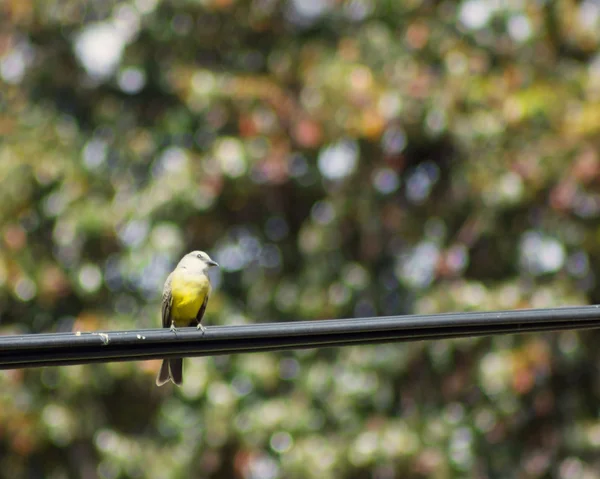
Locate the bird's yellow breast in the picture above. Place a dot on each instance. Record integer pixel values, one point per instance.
(187, 293)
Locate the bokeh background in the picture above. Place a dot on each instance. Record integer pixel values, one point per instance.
(338, 158)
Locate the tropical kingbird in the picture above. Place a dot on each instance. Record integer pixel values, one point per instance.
(184, 300)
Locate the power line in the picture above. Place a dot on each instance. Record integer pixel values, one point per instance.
(36, 350)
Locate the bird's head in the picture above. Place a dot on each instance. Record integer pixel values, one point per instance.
(197, 261)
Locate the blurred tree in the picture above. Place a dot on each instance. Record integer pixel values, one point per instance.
(338, 158)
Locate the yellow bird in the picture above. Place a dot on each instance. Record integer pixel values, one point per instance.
(184, 300)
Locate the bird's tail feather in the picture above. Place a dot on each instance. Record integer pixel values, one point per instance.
(170, 370)
(176, 370)
(163, 374)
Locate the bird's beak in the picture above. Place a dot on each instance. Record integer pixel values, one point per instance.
(212, 263)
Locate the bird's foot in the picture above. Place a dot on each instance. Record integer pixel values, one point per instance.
(201, 328)
(173, 328)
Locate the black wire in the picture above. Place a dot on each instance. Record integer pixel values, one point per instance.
(35, 350)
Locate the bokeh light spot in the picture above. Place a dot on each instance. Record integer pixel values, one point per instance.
(339, 160)
(90, 278)
(25, 289)
(281, 442)
(132, 80)
(385, 180)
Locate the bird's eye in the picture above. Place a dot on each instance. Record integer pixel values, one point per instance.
(199, 256)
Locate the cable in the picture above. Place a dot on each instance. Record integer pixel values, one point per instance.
(36, 350)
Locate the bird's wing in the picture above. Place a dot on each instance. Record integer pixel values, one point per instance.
(201, 310)
(167, 300)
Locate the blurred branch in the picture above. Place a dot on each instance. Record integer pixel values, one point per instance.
(36, 350)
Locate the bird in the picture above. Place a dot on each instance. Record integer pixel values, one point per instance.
(184, 299)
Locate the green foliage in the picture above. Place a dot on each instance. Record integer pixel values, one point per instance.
(338, 158)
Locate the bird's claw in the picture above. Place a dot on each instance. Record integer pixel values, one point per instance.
(201, 328)
(173, 328)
